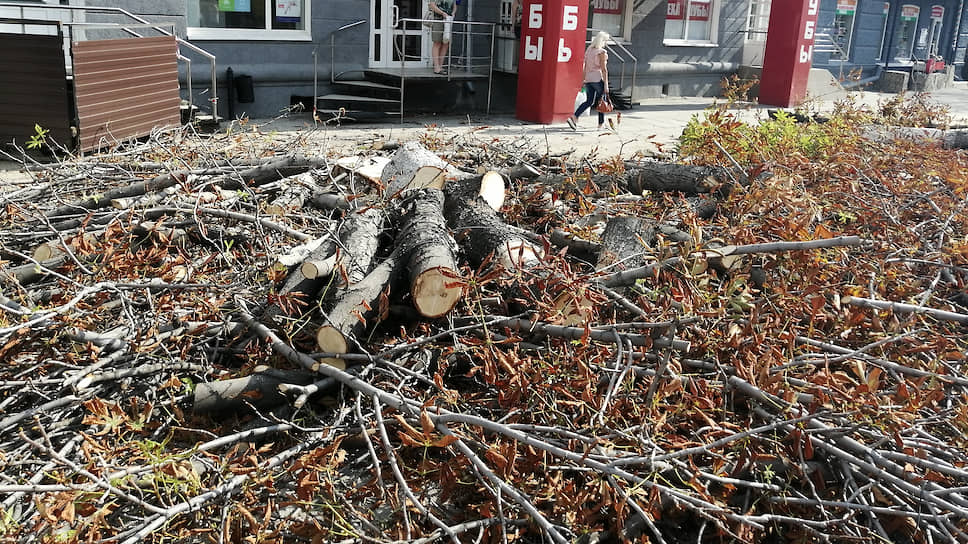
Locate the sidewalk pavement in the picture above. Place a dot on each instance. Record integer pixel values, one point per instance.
(653, 126)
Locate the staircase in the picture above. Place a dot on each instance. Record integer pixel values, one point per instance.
(372, 97)
(620, 100)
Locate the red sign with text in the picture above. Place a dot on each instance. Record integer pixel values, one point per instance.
(698, 10)
(550, 59)
(611, 7)
(789, 52)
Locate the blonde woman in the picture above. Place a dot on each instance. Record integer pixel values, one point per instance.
(595, 68)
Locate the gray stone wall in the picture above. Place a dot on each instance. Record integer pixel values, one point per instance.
(684, 70)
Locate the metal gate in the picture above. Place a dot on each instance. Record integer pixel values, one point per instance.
(124, 88)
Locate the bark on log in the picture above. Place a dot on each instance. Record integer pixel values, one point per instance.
(423, 237)
(28, 273)
(354, 304)
(260, 390)
(270, 171)
(298, 254)
(406, 162)
(481, 232)
(625, 241)
(667, 176)
(661, 177)
(296, 191)
(298, 289)
(951, 139)
(331, 201)
(578, 247)
(359, 241)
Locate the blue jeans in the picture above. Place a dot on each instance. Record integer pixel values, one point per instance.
(593, 90)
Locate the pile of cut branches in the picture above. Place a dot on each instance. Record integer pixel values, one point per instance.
(453, 339)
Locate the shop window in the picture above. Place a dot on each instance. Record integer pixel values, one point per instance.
(248, 19)
(758, 20)
(610, 16)
(906, 27)
(884, 13)
(691, 22)
(843, 30)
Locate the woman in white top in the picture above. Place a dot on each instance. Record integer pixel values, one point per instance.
(595, 68)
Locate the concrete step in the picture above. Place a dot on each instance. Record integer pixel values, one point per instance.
(356, 103)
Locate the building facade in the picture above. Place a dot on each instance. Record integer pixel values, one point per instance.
(292, 48)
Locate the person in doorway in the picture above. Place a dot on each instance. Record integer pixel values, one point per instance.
(516, 12)
(595, 68)
(442, 9)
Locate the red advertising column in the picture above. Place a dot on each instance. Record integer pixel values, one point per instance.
(550, 59)
(789, 51)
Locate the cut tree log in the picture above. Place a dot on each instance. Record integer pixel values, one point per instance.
(359, 240)
(269, 171)
(298, 254)
(479, 229)
(296, 191)
(260, 390)
(331, 201)
(299, 289)
(658, 176)
(625, 242)
(670, 176)
(354, 304)
(400, 173)
(951, 138)
(434, 278)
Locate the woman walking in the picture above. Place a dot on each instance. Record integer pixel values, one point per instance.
(595, 68)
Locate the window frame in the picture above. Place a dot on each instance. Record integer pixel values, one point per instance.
(626, 36)
(881, 51)
(936, 25)
(255, 34)
(758, 12)
(711, 41)
(914, 36)
(850, 33)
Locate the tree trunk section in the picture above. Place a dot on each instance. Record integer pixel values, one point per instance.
(668, 177)
(359, 240)
(403, 167)
(625, 242)
(423, 236)
(354, 304)
(296, 191)
(481, 233)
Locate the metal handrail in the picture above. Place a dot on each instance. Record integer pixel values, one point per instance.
(613, 43)
(332, 62)
(332, 48)
(824, 43)
(149, 24)
(468, 67)
(635, 66)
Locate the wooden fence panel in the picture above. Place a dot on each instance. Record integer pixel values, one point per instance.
(125, 88)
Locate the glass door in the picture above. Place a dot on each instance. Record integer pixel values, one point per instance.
(393, 40)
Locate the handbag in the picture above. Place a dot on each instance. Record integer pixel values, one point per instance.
(427, 16)
(604, 104)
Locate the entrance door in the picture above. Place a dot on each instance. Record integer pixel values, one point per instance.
(389, 39)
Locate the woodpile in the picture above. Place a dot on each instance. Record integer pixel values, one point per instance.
(473, 340)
